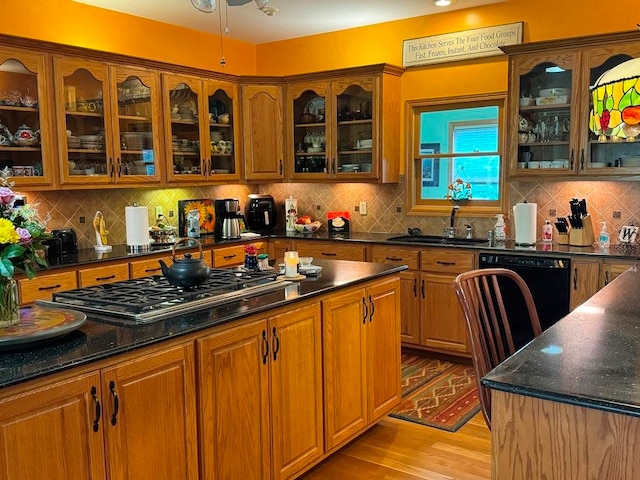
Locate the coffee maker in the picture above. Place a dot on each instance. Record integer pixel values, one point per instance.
(261, 212)
(227, 218)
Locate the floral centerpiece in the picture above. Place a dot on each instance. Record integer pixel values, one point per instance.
(250, 257)
(21, 249)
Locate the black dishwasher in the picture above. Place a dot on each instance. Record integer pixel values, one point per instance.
(548, 278)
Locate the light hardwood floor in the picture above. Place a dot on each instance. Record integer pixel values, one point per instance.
(398, 450)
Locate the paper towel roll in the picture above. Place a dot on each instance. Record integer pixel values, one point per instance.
(524, 217)
(137, 225)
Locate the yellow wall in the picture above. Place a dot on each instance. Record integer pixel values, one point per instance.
(77, 24)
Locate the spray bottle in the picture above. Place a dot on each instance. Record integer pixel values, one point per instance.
(547, 232)
(603, 240)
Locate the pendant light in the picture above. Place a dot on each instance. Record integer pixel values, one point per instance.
(205, 6)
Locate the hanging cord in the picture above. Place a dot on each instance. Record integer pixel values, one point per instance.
(223, 62)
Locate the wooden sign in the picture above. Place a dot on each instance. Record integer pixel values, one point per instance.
(450, 47)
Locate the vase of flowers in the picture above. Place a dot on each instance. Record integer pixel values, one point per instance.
(21, 249)
(250, 257)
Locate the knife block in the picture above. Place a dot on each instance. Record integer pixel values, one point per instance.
(563, 238)
(582, 237)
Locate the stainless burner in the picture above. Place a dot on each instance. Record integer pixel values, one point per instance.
(152, 298)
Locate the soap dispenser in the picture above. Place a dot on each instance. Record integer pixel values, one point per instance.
(499, 232)
(603, 241)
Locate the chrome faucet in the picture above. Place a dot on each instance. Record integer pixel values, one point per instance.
(469, 231)
(451, 231)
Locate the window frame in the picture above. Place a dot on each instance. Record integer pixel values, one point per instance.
(413, 174)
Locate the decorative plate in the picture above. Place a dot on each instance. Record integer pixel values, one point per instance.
(39, 323)
(314, 106)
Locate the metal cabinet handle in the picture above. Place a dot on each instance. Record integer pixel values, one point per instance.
(328, 254)
(422, 289)
(265, 348)
(582, 159)
(111, 167)
(572, 158)
(98, 410)
(445, 263)
(575, 278)
(280, 166)
(333, 167)
(393, 259)
(149, 270)
(119, 169)
(227, 257)
(276, 347)
(50, 288)
(373, 309)
(415, 288)
(366, 311)
(100, 279)
(116, 402)
(606, 277)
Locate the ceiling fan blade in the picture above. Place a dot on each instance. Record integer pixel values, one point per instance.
(236, 3)
(206, 6)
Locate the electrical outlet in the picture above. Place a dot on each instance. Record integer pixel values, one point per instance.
(81, 220)
(159, 211)
(170, 213)
(363, 208)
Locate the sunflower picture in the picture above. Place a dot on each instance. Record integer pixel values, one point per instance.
(207, 214)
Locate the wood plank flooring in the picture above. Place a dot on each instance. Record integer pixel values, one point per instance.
(399, 450)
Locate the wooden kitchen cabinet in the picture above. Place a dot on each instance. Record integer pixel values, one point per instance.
(409, 288)
(263, 131)
(584, 280)
(88, 277)
(25, 101)
(277, 247)
(261, 397)
(45, 285)
(444, 328)
(331, 250)
(555, 131)
(361, 337)
(97, 425)
(110, 118)
(201, 132)
(229, 256)
(353, 117)
(611, 268)
(150, 266)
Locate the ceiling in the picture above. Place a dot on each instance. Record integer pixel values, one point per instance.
(296, 18)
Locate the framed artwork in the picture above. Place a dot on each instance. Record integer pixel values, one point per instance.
(429, 148)
(430, 172)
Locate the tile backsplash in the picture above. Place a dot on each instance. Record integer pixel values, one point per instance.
(616, 202)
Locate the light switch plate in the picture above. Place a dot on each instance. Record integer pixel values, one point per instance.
(363, 208)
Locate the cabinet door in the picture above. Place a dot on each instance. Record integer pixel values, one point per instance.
(443, 326)
(233, 379)
(222, 147)
(89, 277)
(610, 269)
(263, 132)
(309, 138)
(296, 389)
(144, 268)
(331, 250)
(410, 307)
(608, 149)
(150, 416)
(345, 369)
(183, 131)
(26, 101)
(43, 287)
(85, 143)
(136, 125)
(584, 281)
(383, 348)
(54, 432)
(545, 137)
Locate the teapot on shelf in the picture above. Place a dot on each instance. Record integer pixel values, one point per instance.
(26, 137)
(187, 272)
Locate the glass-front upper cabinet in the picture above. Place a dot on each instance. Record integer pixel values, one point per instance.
(186, 160)
(612, 134)
(355, 141)
(26, 133)
(222, 146)
(312, 138)
(544, 133)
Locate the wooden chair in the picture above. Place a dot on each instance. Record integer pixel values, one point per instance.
(496, 332)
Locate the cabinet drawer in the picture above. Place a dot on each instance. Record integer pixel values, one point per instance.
(331, 250)
(447, 261)
(151, 266)
(44, 286)
(396, 256)
(228, 256)
(99, 275)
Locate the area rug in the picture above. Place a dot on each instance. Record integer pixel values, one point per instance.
(437, 393)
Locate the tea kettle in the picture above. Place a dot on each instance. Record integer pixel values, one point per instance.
(188, 272)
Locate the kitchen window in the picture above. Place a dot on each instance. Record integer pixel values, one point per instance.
(455, 155)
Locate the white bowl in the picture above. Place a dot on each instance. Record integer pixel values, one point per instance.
(555, 92)
(305, 261)
(552, 100)
(366, 143)
(527, 101)
(308, 227)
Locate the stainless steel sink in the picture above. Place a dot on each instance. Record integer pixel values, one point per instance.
(437, 240)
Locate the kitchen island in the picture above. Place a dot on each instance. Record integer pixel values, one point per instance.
(567, 405)
(263, 387)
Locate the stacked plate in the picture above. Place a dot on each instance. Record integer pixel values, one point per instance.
(132, 140)
(73, 142)
(93, 142)
(351, 167)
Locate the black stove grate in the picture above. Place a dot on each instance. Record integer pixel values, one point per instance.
(146, 294)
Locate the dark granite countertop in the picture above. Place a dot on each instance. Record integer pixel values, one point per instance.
(120, 252)
(589, 358)
(96, 340)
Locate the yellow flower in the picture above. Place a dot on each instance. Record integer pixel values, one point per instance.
(8, 232)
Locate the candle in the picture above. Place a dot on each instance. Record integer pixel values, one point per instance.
(291, 264)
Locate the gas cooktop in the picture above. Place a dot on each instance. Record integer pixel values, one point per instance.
(146, 299)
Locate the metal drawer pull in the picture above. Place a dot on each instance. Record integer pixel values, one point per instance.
(422, 288)
(328, 254)
(152, 269)
(96, 402)
(575, 278)
(116, 402)
(366, 311)
(393, 259)
(606, 278)
(227, 257)
(276, 347)
(99, 279)
(49, 288)
(265, 349)
(445, 263)
(373, 308)
(415, 288)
